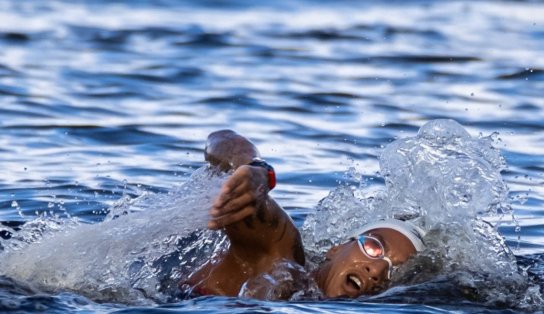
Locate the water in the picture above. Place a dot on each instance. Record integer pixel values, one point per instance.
(102, 103)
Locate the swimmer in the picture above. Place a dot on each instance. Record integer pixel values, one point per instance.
(261, 233)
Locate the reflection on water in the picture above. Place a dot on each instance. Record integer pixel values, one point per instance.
(102, 100)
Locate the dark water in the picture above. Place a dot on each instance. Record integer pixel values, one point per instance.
(100, 100)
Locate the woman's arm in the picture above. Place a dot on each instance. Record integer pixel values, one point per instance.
(260, 231)
(253, 221)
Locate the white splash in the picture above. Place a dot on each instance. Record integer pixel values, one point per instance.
(443, 173)
(446, 182)
(127, 258)
(440, 176)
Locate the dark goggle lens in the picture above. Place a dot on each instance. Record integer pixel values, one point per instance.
(372, 247)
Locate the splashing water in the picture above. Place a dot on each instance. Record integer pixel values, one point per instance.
(442, 179)
(443, 173)
(129, 257)
(446, 182)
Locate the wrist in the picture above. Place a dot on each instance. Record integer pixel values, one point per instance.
(258, 162)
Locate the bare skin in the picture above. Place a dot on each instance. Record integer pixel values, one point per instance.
(347, 271)
(262, 234)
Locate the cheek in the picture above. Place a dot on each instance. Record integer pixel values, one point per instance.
(322, 274)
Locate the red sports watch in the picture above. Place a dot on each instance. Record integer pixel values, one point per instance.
(258, 162)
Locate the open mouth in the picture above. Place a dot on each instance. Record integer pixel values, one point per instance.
(354, 282)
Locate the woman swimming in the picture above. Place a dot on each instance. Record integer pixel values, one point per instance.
(262, 235)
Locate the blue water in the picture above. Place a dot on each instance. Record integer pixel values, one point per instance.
(100, 100)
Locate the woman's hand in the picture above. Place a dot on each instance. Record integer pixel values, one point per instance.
(240, 197)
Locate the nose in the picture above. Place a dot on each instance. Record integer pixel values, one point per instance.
(376, 270)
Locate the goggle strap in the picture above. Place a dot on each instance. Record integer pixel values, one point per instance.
(388, 260)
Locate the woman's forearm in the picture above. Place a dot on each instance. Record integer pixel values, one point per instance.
(261, 233)
(255, 224)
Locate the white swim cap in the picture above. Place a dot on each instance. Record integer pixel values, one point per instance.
(409, 230)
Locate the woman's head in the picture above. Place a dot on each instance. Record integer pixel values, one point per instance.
(363, 264)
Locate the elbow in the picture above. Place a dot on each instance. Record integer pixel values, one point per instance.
(221, 134)
(228, 150)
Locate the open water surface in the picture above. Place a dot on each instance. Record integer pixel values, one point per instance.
(104, 102)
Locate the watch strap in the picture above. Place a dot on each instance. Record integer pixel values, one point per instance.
(257, 162)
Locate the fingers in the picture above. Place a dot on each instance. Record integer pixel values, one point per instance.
(233, 204)
(244, 180)
(234, 185)
(238, 196)
(225, 220)
(230, 190)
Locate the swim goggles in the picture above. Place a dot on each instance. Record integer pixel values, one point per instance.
(373, 249)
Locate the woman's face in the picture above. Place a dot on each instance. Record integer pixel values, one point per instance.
(347, 271)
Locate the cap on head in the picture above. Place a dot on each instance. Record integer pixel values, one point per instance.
(411, 231)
